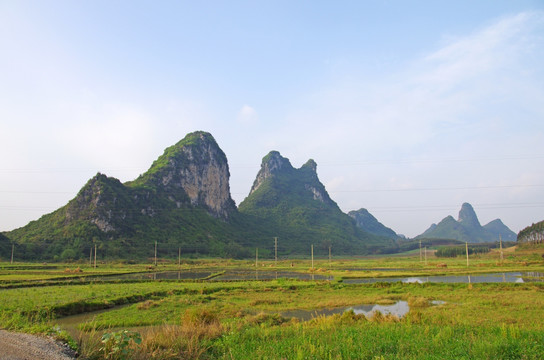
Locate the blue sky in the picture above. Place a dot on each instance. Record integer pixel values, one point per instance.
(408, 108)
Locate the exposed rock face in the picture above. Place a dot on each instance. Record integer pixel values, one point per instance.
(96, 201)
(298, 208)
(195, 170)
(272, 163)
(183, 199)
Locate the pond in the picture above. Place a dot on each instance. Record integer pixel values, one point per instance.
(400, 309)
(510, 277)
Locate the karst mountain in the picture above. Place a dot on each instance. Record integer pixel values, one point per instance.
(468, 228)
(183, 203)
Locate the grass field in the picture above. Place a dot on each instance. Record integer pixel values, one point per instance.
(242, 319)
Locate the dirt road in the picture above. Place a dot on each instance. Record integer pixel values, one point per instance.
(18, 346)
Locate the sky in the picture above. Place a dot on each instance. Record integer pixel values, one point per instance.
(409, 108)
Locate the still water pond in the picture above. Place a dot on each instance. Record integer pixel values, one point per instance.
(511, 277)
(399, 309)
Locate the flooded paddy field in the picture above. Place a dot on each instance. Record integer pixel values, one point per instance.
(510, 277)
(390, 308)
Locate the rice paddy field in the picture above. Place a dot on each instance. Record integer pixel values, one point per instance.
(226, 309)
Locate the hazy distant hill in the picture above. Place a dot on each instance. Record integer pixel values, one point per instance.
(369, 223)
(467, 228)
(296, 204)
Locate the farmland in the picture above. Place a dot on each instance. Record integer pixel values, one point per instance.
(209, 318)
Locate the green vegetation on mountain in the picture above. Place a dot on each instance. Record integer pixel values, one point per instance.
(296, 204)
(369, 223)
(533, 234)
(468, 229)
(182, 202)
(5, 247)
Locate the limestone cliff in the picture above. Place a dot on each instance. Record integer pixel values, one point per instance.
(183, 200)
(194, 171)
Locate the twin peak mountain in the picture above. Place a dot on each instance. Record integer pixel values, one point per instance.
(183, 202)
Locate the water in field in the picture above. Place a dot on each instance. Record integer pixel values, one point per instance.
(70, 323)
(268, 275)
(399, 309)
(229, 275)
(510, 277)
(162, 275)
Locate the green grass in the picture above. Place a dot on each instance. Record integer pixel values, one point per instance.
(226, 320)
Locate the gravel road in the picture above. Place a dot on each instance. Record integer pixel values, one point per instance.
(18, 346)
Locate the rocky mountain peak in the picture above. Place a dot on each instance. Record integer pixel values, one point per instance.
(194, 170)
(310, 164)
(467, 216)
(94, 201)
(366, 221)
(272, 163)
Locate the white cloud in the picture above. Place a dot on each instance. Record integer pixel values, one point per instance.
(247, 115)
(473, 97)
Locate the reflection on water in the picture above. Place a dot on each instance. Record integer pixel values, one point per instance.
(228, 275)
(399, 309)
(268, 275)
(511, 277)
(163, 275)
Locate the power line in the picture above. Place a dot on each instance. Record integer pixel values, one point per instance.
(330, 191)
(430, 161)
(436, 188)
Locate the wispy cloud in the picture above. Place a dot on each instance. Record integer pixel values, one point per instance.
(247, 115)
(472, 96)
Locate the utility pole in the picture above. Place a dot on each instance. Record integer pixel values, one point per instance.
(420, 255)
(256, 258)
(276, 251)
(179, 256)
(12, 251)
(425, 256)
(95, 256)
(312, 256)
(466, 249)
(155, 253)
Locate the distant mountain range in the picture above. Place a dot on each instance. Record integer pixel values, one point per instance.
(467, 228)
(295, 202)
(183, 203)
